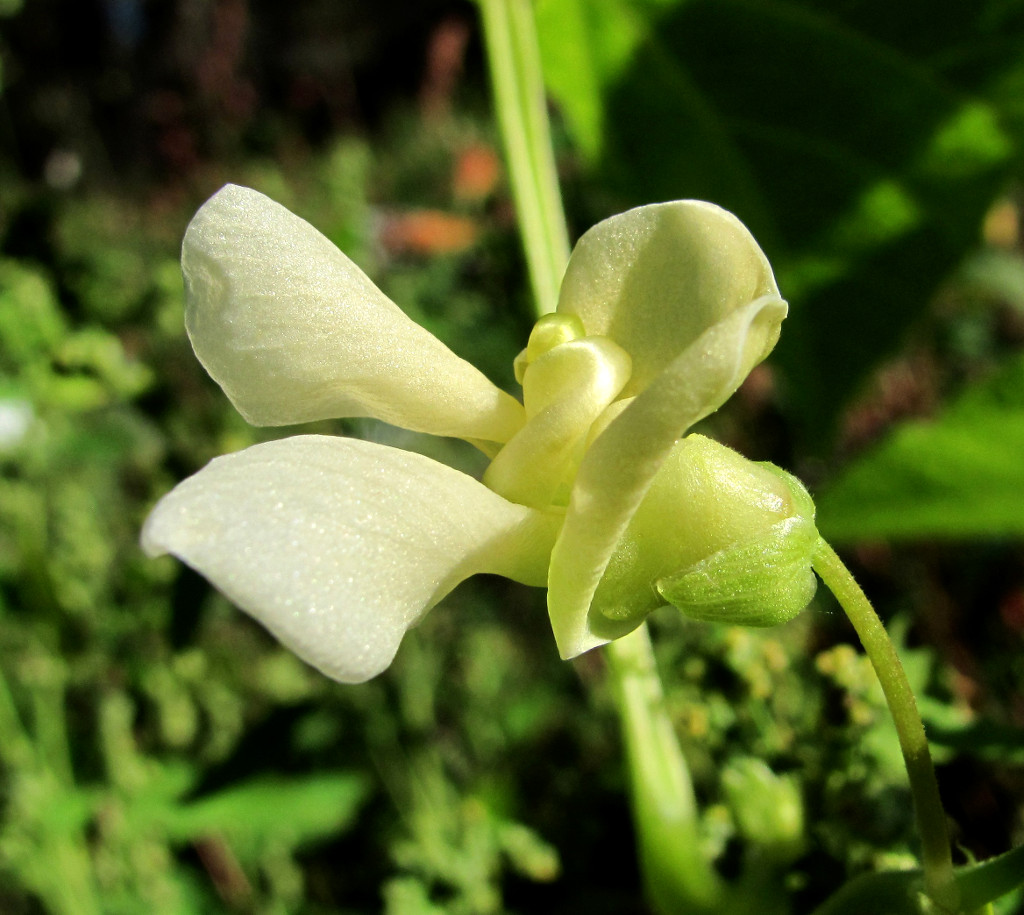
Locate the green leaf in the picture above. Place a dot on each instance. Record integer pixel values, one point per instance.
(860, 144)
(959, 475)
(584, 45)
(294, 811)
(899, 892)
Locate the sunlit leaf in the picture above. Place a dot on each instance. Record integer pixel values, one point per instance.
(958, 475)
(861, 145)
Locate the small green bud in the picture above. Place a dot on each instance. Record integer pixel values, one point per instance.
(767, 808)
(721, 538)
(764, 581)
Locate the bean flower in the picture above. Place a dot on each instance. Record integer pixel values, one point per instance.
(594, 490)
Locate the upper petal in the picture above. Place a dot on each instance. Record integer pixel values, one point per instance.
(620, 465)
(338, 546)
(293, 331)
(655, 278)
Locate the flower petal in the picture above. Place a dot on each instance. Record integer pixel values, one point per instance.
(565, 391)
(293, 331)
(621, 463)
(655, 278)
(338, 546)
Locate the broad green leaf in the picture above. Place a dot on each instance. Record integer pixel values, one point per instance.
(861, 145)
(959, 475)
(584, 44)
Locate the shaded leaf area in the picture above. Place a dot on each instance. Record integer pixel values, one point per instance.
(987, 738)
(861, 145)
(958, 475)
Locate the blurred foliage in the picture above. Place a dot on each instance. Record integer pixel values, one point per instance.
(161, 754)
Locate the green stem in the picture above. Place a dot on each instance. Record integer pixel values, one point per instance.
(679, 878)
(931, 818)
(514, 57)
(677, 874)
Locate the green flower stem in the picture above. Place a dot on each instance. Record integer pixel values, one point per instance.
(679, 878)
(514, 57)
(931, 818)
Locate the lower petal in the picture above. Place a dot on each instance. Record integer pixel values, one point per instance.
(339, 546)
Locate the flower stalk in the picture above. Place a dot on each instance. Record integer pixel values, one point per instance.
(677, 874)
(514, 60)
(931, 818)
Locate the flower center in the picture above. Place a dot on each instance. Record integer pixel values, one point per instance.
(569, 380)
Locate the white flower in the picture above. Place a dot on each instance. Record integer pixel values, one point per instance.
(339, 546)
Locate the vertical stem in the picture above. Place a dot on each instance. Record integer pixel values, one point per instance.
(931, 818)
(677, 875)
(514, 57)
(679, 878)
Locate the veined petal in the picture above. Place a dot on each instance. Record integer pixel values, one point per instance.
(293, 331)
(656, 278)
(339, 546)
(621, 463)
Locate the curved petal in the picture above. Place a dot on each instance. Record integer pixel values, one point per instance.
(565, 391)
(621, 463)
(293, 331)
(655, 278)
(339, 546)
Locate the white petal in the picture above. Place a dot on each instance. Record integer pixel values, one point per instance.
(293, 331)
(620, 465)
(338, 546)
(655, 278)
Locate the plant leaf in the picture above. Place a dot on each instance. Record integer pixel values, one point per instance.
(959, 475)
(861, 146)
(294, 810)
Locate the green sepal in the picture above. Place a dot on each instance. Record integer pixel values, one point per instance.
(761, 582)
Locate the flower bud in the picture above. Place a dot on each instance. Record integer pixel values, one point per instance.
(721, 538)
(767, 808)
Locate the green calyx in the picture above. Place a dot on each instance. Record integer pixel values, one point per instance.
(721, 538)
